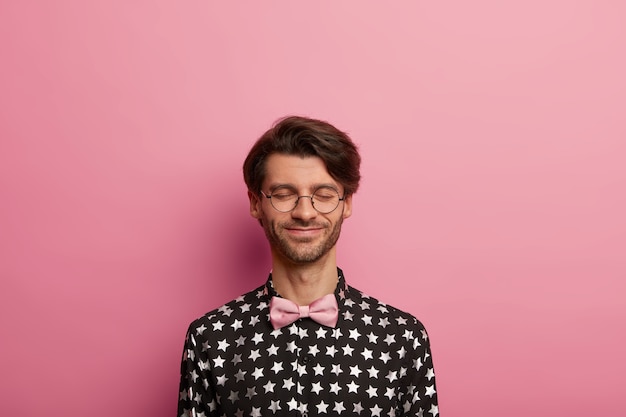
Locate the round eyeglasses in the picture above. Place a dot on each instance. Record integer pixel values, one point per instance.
(285, 199)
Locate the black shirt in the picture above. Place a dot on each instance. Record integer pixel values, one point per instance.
(375, 362)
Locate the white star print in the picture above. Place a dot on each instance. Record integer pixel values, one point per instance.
(291, 347)
(320, 333)
(316, 387)
(288, 383)
(272, 350)
(354, 334)
(352, 387)
(339, 407)
(254, 355)
(269, 387)
(293, 404)
(401, 352)
(221, 380)
(417, 364)
(376, 410)
(321, 407)
(331, 367)
(336, 369)
(367, 354)
(334, 388)
(227, 311)
(318, 369)
(240, 375)
(258, 373)
(330, 351)
(278, 366)
(274, 406)
(218, 362)
(200, 329)
(258, 338)
(240, 341)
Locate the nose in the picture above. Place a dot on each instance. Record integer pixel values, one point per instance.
(304, 209)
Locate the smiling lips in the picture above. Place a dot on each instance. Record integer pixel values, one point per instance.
(304, 231)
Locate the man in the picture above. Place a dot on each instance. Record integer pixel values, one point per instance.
(305, 343)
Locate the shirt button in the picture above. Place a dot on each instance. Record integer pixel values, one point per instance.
(305, 360)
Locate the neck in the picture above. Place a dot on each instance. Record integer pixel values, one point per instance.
(305, 283)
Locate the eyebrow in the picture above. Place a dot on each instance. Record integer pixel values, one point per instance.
(313, 186)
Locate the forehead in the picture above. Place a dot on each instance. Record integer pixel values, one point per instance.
(300, 172)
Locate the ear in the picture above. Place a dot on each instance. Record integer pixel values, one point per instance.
(347, 207)
(255, 205)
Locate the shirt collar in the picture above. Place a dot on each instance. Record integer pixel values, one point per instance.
(341, 291)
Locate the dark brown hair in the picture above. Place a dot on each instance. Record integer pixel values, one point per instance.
(302, 136)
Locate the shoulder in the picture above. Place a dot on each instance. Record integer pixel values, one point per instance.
(243, 308)
(390, 318)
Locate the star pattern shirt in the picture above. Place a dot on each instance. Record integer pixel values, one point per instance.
(375, 362)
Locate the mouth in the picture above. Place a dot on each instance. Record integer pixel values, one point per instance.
(304, 232)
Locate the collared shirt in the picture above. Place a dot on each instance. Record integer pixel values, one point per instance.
(375, 362)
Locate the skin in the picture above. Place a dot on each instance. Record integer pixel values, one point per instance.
(303, 241)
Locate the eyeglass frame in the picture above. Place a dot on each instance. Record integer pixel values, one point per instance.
(269, 197)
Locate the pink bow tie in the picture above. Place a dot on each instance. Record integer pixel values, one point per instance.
(323, 310)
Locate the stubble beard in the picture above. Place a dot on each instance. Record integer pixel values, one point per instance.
(301, 251)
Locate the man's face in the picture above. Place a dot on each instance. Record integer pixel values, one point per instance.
(302, 235)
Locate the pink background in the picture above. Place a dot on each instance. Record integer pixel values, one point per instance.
(492, 205)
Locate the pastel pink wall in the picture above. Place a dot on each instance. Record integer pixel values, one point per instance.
(492, 205)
